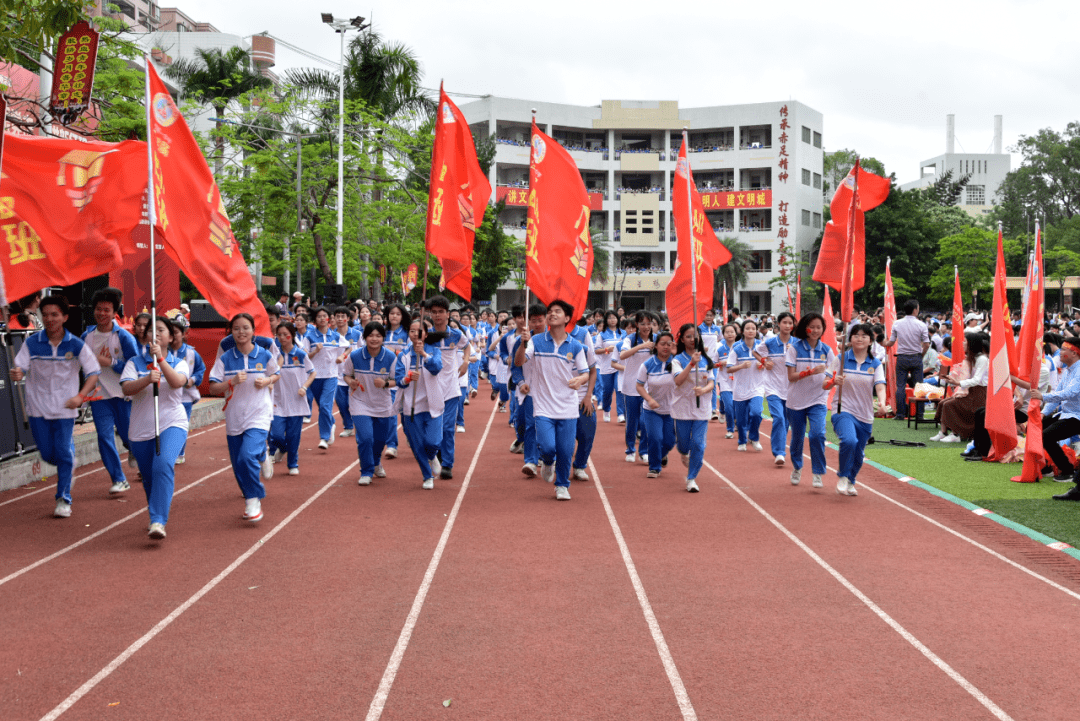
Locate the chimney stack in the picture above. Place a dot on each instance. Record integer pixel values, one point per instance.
(997, 135)
(950, 134)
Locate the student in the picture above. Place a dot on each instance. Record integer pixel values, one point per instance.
(522, 377)
(636, 349)
(324, 351)
(113, 347)
(462, 363)
(724, 380)
(290, 399)
(196, 372)
(656, 385)
(157, 454)
(561, 370)
(455, 349)
(747, 386)
(862, 377)
(420, 400)
(50, 360)
(369, 372)
(585, 432)
(350, 341)
(609, 339)
(300, 320)
(692, 370)
(503, 349)
(710, 337)
(773, 354)
(396, 340)
(246, 373)
(806, 358)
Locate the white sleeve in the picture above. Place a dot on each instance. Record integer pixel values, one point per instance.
(642, 375)
(530, 350)
(89, 361)
(130, 373)
(22, 358)
(217, 373)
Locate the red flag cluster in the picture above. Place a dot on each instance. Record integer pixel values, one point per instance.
(1030, 364)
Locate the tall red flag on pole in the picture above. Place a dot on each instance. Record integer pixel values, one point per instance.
(1000, 419)
(957, 321)
(890, 319)
(460, 186)
(847, 285)
(558, 247)
(790, 303)
(1031, 366)
(725, 306)
(798, 296)
(829, 336)
(699, 251)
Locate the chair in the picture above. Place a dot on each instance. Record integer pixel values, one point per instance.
(913, 409)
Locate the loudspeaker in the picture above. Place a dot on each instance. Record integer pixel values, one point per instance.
(81, 313)
(203, 315)
(333, 295)
(15, 436)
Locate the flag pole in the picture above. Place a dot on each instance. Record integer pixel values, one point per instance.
(152, 216)
(693, 259)
(423, 302)
(844, 335)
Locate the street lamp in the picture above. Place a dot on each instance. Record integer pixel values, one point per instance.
(341, 27)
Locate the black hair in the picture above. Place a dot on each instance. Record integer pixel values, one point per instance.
(861, 328)
(271, 310)
(536, 309)
(609, 313)
(699, 345)
(238, 316)
(517, 311)
(341, 309)
(107, 295)
(976, 343)
(405, 315)
(374, 327)
(946, 343)
(742, 328)
(169, 324)
(289, 327)
(322, 309)
(58, 300)
(911, 306)
(783, 315)
(804, 322)
(1052, 339)
(567, 308)
(438, 301)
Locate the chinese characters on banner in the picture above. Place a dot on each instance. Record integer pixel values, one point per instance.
(520, 197)
(782, 163)
(782, 222)
(76, 56)
(730, 201)
(412, 276)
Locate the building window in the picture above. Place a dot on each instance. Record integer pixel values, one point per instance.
(817, 139)
(976, 194)
(817, 220)
(761, 261)
(817, 180)
(806, 134)
(805, 177)
(806, 217)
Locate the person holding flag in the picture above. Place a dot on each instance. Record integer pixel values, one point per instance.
(692, 369)
(858, 377)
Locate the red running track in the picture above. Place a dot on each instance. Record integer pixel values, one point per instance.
(751, 599)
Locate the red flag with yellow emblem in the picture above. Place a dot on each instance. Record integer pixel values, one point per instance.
(558, 247)
(190, 217)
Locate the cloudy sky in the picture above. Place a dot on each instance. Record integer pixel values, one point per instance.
(883, 74)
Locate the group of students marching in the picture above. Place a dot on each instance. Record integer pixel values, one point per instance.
(550, 374)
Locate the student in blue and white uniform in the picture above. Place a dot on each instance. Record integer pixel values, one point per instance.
(50, 360)
(608, 342)
(245, 374)
(693, 371)
(862, 377)
(561, 371)
(114, 347)
(724, 380)
(462, 363)
(326, 344)
(197, 370)
(636, 349)
(420, 400)
(748, 385)
(586, 423)
(161, 366)
(455, 349)
(710, 337)
(290, 398)
(300, 320)
(350, 341)
(396, 340)
(497, 370)
(502, 348)
(369, 371)
(773, 354)
(522, 378)
(807, 359)
(656, 386)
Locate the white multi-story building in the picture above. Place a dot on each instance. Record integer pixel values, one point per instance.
(758, 168)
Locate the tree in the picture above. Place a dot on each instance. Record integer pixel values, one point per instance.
(495, 254)
(30, 27)
(735, 271)
(838, 164)
(970, 252)
(1060, 264)
(945, 191)
(1046, 186)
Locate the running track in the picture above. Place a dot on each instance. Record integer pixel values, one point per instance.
(750, 600)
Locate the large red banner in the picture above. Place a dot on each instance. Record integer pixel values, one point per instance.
(76, 57)
(737, 199)
(520, 197)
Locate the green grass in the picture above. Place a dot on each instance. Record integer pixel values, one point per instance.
(1057, 519)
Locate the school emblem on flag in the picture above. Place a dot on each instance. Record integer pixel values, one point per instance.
(539, 149)
(164, 109)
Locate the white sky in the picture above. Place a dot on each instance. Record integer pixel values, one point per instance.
(884, 75)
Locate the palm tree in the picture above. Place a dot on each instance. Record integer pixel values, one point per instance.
(734, 272)
(601, 257)
(217, 77)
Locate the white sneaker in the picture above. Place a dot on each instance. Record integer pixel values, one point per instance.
(644, 457)
(436, 466)
(851, 490)
(547, 472)
(267, 468)
(938, 436)
(691, 485)
(179, 460)
(796, 476)
(607, 418)
(842, 486)
(294, 471)
(685, 458)
(562, 493)
(756, 445)
(157, 531)
(951, 438)
(517, 447)
(460, 429)
(348, 432)
(630, 457)
(429, 483)
(466, 401)
(323, 444)
(779, 461)
(278, 455)
(119, 487)
(818, 482)
(63, 509)
(391, 453)
(253, 510)
(379, 472)
(333, 433)
(742, 447)
(622, 419)
(307, 419)
(529, 469)
(364, 481)
(729, 434)
(580, 475)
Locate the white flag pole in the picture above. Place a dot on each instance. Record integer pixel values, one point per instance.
(152, 216)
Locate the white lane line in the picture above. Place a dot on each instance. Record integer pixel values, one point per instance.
(111, 526)
(164, 623)
(978, 695)
(378, 703)
(681, 696)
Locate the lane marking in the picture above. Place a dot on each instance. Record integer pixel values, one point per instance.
(378, 703)
(165, 622)
(681, 696)
(978, 695)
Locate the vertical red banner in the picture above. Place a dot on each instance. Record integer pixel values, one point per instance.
(73, 72)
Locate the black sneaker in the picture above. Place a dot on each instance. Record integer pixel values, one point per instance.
(1064, 478)
(663, 462)
(1073, 494)
(446, 473)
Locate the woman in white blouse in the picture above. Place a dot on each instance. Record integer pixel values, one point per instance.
(957, 414)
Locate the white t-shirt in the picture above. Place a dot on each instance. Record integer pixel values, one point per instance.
(633, 363)
(247, 407)
(556, 366)
(684, 407)
(367, 399)
(658, 382)
(295, 369)
(748, 382)
(171, 413)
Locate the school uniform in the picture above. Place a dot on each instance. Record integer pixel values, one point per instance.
(191, 396)
(806, 402)
(724, 384)
(452, 347)
(853, 422)
(395, 341)
(290, 408)
(555, 405)
(710, 338)
(498, 368)
(52, 377)
(691, 417)
(606, 375)
(324, 387)
(350, 341)
(249, 413)
(371, 408)
(747, 388)
(655, 377)
(585, 432)
(525, 425)
(474, 358)
(631, 398)
(157, 469)
(113, 411)
(420, 403)
(505, 362)
(776, 390)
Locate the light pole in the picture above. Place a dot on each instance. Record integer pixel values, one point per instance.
(341, 27)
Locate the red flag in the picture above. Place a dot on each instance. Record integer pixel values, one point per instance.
(829, 336)
(458, 183)
(957, 322)
(190, 217)
(404, 290)
(698, 249)
(67, 209)
(872, 192)
(847, 290)
(1000, 419)
(790, 305)
(1031, 365)
(798, 296)
(890, 319)
(1023, 349)
(725, 316)
(558, 247)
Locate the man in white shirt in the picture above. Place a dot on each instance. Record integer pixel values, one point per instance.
(911, 338)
